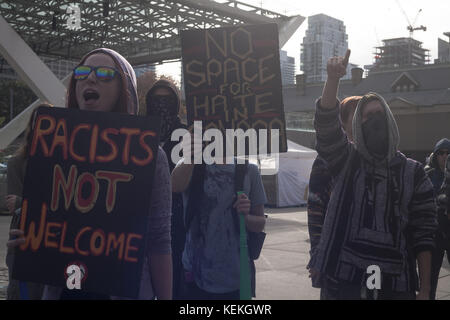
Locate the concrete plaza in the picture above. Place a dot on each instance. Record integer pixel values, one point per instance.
(281, 268)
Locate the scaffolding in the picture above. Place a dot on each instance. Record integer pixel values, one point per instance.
(401, 52)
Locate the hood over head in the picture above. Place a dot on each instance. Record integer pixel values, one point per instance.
(392, 130)
(163, 84)
(441, 144)
(165, 107)
(130, 77)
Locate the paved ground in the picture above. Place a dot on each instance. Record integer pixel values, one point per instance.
(281, 268)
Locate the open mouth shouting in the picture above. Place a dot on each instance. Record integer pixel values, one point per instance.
(90, 96)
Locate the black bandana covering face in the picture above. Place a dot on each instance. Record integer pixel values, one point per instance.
(164, 106)
(375, 133)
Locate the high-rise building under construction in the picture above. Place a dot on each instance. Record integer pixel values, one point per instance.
(401, 52)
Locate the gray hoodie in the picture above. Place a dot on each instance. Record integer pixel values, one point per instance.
(393, 135)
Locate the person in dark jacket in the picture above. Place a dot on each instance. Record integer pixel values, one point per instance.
(163, 101)
(435, 169)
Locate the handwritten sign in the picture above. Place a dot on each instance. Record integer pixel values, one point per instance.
(232, 78)
(86, 199)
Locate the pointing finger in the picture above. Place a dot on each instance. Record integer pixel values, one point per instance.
(347, 57)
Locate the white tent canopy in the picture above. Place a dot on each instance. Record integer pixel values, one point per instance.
(292, 178)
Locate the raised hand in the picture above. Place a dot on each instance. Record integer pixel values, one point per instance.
(336, 69)
(337, 66)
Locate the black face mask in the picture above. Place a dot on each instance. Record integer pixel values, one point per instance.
(164, 106)
(375, 132)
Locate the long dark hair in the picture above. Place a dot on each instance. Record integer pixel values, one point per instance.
(121, 105)
(28, 136)
(348, 107)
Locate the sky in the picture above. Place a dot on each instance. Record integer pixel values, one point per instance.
(367, 24)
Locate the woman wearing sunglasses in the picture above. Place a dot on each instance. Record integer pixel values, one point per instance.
(105, 81)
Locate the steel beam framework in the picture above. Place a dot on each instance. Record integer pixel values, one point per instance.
(144, 31)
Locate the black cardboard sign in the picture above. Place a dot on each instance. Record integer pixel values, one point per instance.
(232, 78)
(86, 199)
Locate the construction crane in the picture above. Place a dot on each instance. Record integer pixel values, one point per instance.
(411, 26)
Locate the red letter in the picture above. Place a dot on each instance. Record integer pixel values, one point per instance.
(85, 205)
(60, 140)
(112, 178)
(93, 148)
(75, 156)
(77, 239)
(96, 251)
(112, 239)
(68, 187)
(39, 134)
(130, 248)
(31, 237)
(146, 147)
(126, 148)
(63, 237)
(112, 144)
(47, 242)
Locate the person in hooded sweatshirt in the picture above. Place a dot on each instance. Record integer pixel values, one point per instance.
(113, 89)
(163, 101)
(321, 185)
(435, 169)
(381, 214)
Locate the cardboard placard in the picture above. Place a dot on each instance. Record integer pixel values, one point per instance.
(232, 79)
(86, 199)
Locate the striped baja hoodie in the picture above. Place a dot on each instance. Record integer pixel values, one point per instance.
(380, 212)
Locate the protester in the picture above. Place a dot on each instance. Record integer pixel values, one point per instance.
(321, 183)
(163, 101)
(381, 211)
(211, 255)
(435, 169)
(105, 81)
(15, 178)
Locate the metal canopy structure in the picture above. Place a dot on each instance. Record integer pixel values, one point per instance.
(144, 31)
